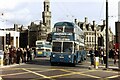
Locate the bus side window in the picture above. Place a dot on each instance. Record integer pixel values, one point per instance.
(48, 50)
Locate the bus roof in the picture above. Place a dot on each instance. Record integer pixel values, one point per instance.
(61, 24)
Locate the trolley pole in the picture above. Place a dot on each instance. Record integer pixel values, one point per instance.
(107, 40)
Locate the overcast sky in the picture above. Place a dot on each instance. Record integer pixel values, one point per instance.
(25, 11)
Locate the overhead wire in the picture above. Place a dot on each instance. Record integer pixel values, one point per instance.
(101, 12)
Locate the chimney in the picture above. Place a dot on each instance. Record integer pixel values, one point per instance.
(94, 27)
(75, 21)
(15, 27)
(32, 23)
(93, 23)
(104, 22)
(86, 20)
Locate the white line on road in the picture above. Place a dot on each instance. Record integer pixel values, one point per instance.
(36, 73)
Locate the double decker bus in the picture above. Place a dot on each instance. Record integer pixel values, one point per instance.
(67, 44)
(43, 48)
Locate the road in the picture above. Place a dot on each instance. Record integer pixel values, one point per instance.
(40, 69)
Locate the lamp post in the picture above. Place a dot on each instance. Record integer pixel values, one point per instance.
(95, 39)
(107, 40)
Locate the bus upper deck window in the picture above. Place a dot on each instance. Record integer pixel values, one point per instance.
(68, 30)
(59, 29)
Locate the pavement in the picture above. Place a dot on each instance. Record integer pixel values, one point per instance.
(12, 65)
(102, 66)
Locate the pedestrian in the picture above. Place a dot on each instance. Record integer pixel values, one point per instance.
(34, 53)
(10, 56)
(19, 54)
(24, 55)
(6, 56)
(83, 52)
(29, 56)
(101, 56)
(97, 54)
(14, 55)
(91, 52)
(116, 56)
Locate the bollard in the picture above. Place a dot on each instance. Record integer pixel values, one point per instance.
(1, 60)
(96, 62)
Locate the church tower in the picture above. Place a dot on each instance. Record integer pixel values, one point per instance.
(46, 15)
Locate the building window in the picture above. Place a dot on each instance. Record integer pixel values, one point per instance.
(89, 39)
(47, 8)
(92, 39)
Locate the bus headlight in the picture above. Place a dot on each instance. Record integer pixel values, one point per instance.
(53, 55)
(69, 56)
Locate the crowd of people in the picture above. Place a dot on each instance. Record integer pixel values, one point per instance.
(113, 54)
(14, 55)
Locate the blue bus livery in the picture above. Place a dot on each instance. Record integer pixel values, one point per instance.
(67, 44)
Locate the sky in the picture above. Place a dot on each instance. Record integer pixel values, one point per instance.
(23, 12)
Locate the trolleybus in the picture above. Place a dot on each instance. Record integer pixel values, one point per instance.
(67, 44)
(43, 48)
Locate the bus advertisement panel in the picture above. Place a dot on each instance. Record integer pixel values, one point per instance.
(63, 36)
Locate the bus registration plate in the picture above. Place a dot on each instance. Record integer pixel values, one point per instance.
(39, 52)
(61, 56)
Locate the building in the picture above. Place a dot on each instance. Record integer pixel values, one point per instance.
(117, 35)
(9, 38)
(119, 11)
(43, 28)
(95, 35)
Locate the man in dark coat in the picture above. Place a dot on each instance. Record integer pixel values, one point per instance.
(91, 52)
(19, 54)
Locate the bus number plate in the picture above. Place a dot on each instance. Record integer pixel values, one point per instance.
(39, 52)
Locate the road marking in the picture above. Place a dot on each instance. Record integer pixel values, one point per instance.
(63, 75)
(37, 73)
(113, 76)
(24, 72)
(1, 78)
(14, 74)
(88, 75)
(72, 72)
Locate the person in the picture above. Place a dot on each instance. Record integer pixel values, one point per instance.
(116, 56)
(91, 52)
(29, 56)
(10, 55)
(24, 55)
(34, 52)
(83, 52)
(101, 56)
(14, 55)
(6, 56)
(68, 50)
(19, 54)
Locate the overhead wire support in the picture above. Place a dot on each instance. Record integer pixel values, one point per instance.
(107, 40)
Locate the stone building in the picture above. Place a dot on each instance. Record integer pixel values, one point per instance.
(9, 38)
(43, 28)
(95, 35)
